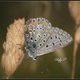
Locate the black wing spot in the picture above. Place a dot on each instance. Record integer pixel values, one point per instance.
(34, 45)
(46, 45)
(43, 40)
(31, 38)
(51, 37)
(55, 36)
(40, 44)
(38, 19)
(44, 35)
(39, 35)
(42, 19)
(35, 58)
(60, 44)
(33, 20)
(53, 43)
(60, 39)
(35, 40)
(34, 30)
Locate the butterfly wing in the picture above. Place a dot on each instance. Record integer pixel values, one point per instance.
(58, 39)
(41, 38)
(38, 31)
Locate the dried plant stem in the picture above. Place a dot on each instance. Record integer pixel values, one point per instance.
(74, 59)
(76, 43)
(74, 7)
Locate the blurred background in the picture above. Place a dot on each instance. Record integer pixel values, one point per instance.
(58, 14)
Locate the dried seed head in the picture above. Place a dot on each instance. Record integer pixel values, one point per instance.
(13, 55)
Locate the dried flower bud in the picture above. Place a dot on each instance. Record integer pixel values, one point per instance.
(13, 55)
(74, 7)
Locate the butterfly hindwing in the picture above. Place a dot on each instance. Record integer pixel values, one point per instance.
(58, 39)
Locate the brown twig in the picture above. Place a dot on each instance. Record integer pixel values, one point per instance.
(74, 58)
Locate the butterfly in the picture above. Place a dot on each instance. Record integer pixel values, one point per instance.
(42, 38)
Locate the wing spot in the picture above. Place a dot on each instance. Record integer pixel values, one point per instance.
(60, 44)
(31, 38)
(51, 37)
(40, 44)
(38, 19)
(35, 40)
(55, 36)
(39, 35)
(33, 20)
(53, 43)
(46, 45)
(60, 39)
(34, 45)
(43, 40)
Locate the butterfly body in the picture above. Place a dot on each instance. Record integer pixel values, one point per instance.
(41, 38)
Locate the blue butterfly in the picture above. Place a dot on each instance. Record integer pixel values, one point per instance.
(41, 38)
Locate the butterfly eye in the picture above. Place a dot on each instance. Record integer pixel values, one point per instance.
(60, 40)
